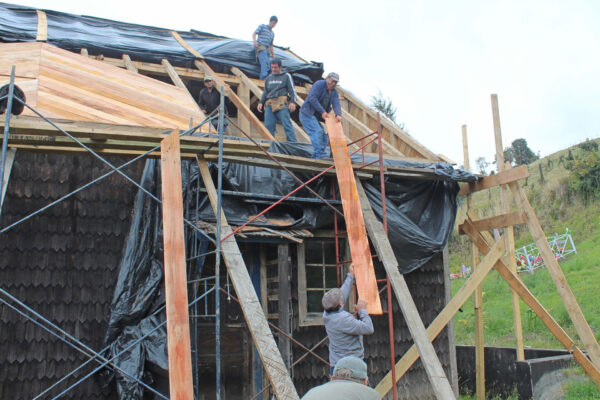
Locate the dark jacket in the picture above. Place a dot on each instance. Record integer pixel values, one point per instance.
(279, 85)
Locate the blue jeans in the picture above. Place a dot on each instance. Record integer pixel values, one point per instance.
(264, 60)
(283, 116)
(317, 135)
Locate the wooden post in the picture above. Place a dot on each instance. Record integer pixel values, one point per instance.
(433, 367)
(564, 290)
(364, 271)
(253, 313)
(477, 296)
(509, 236)
(284, 302)
(243, 91)
(129, 64)
(445, 316)
(176, 299)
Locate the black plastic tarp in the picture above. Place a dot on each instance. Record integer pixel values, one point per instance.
(143, 43)
(420, 216)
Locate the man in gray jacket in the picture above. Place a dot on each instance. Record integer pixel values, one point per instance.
(278, 100)
(343, 328)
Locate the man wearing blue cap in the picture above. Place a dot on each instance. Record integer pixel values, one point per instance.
(349, 382)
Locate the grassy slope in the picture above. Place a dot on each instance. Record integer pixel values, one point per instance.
(556, 213)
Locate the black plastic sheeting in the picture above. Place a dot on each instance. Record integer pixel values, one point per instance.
(144, 43)
(420, 214)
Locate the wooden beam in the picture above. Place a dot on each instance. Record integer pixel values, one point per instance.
(179, 83)
(484, 241)
(501, 178)
(42, 26)
(366, 282)
(258, 93)
(365, 130)
(284, 306)
(401, 136)
(564, 290)
(497, 222)
(129, 65)
(477, 296)
(176, 299)
(243, 92)
(253, 313)
(242, 108)
(445, 316)
(509, 236)
(433, 367)
(10, 159)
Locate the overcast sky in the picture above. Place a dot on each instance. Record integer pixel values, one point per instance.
(438, 61)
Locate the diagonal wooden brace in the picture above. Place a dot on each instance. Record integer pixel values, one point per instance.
(433, 367)
(445, 316)
(253, 313)
(484, 242)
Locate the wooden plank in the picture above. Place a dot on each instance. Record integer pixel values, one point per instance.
(185, 45)
(418, 150)
(564, 290)
(179, 83)
(484, 242)
(10, 159)
(498, 179)
(176, 299)
(300, 134)
(497, 222)
(477, 296)
(243, 92)
(242, 108)
(42, 27)
(129, 65)
(508, 231)
(253, 313)
(433, 367)
(445, 316)
(364, 271)
(285, 293)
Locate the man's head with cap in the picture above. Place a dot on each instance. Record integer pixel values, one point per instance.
(351, 368)
(332, 79)
(332, 299)
(208, 81)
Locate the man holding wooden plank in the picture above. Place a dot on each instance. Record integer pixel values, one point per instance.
(344, 330)
(321, 98)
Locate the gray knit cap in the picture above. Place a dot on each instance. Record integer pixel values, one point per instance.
(357, 367)
(332, 299)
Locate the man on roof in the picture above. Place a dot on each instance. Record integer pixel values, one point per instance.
(278, 100)
(321, 98)
(263, 44)
(209, 100)
(345, 330)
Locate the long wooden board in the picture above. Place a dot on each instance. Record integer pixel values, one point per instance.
(497, 221)
(176, 299)
(445, 316)
(253, 312)
(433, 367)
(501, 178)
(355, 223)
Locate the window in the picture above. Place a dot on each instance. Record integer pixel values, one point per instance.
(316, 275)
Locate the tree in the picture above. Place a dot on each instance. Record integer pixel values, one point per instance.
(385, 106)
(482, 165)
(522, 154)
